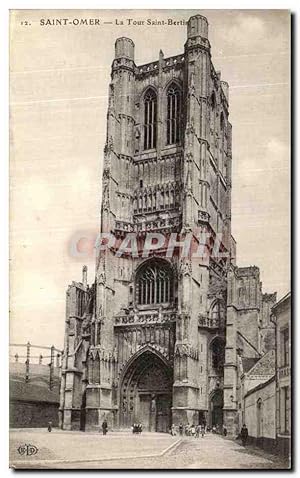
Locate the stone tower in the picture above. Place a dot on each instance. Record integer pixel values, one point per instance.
(147, 341)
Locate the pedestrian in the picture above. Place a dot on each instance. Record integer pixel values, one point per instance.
(197, 431)
(193, 430)
(104, 427)
(244, 434)
(134, 428)
(49, 426)
(202, 431)
(180, 428)
(173, 430)
(224, 431)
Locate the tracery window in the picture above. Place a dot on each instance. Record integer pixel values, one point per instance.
(173, 114)
(217, 314)
(150, 119)
(154, 284)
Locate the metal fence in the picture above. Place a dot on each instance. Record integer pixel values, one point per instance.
(54, 358)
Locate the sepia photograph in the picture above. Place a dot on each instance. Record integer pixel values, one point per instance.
(150, 204)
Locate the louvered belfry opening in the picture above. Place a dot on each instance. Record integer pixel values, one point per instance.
(150, 119)
(173, 114)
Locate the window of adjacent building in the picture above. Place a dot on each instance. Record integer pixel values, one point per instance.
(150, 119)
(173, 114)
(285, 410)
(154, 283)
(284, 344)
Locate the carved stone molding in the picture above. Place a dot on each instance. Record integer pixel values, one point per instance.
(187, 350)
(145, 319)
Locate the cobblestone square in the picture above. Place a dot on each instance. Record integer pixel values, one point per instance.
(122, 450)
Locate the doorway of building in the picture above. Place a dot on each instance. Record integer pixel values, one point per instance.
(259, 418)
(216, 409)
(146, 394)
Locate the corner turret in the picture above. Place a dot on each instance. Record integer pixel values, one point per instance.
(197, 26)
(124, 48)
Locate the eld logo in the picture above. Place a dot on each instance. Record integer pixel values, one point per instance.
(27, 450)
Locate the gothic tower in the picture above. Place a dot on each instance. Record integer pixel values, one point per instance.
(147, 341)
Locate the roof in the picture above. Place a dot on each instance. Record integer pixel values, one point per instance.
(241, 336)
(32, 392)
(282, 302)
(264, 366)
(248, 363)
(260, 386)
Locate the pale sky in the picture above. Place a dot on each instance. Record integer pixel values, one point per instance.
(59, 82)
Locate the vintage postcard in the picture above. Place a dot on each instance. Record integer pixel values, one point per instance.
(150, 239)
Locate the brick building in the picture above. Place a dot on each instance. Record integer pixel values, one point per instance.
(157, 338)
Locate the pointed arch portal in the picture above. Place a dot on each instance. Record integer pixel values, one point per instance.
(146, 393)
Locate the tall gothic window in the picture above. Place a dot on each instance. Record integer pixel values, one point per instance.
(222, 122)
(213, 105)
(217, 314)
(217, 353)
(150, 119)
(173, 115)
(154, 284)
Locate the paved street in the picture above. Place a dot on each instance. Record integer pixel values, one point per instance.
(63, 450)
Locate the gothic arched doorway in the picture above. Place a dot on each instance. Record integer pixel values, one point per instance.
(146, 393)
(216, 409)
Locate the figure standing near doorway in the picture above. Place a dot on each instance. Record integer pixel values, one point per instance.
(244, 434)
(104, 427)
